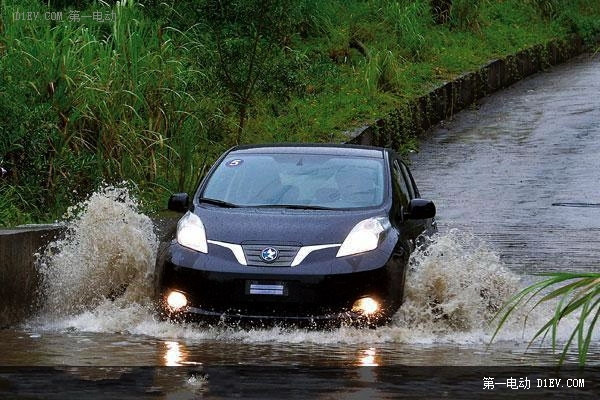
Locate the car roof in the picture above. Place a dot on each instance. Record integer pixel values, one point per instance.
(310, 148)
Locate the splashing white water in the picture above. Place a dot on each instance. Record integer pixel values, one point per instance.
(108, 249)
(455, 284)
(454, 287)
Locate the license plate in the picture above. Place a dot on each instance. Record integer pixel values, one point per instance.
(266, 288)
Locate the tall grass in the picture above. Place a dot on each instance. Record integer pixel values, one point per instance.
(142, 98)
(466, 14)
(410, 21)
(113, 101)
(381, 71)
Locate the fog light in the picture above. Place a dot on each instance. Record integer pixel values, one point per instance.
(176, 300)
(366, 306)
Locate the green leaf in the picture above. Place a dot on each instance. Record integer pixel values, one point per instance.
(582, 295)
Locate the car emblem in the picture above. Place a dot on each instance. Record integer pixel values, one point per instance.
(269, 254)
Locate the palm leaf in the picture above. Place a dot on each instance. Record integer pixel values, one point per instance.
(579, 292)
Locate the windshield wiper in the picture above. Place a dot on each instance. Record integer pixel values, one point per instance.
(294, 206)
(217, 202)
(222, 203)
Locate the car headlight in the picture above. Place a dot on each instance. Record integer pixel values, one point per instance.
(364, 236)
(191, 233)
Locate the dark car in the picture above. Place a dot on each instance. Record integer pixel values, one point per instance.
(301, 233)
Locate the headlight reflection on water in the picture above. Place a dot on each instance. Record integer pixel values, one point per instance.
(176, 354)
(368, 358)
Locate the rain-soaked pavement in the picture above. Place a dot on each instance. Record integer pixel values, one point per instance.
(523, 170)
(516, 181)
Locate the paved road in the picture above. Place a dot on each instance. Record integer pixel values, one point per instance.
(522, 170)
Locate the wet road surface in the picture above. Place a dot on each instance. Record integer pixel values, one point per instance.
(523, 170)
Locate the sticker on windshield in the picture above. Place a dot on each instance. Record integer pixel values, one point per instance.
(235, 163)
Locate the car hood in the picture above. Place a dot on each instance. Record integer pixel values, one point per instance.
(280, 226)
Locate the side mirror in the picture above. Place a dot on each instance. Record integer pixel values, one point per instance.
(420, 209)
(179, 202)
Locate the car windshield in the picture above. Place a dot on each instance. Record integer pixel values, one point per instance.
(297, 181)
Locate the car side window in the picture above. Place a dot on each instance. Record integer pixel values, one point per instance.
(409, 182)
(401, 182)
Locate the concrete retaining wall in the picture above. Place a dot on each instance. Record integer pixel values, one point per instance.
(18, 276)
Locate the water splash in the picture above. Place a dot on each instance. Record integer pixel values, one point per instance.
(455, 286)
(108, 250)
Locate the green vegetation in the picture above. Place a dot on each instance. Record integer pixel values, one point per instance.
(155, 95)
(580, 293)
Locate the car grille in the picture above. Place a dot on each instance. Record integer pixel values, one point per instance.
(286, 255)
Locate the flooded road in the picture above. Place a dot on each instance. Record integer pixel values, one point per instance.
(522, 171)
(517, 187)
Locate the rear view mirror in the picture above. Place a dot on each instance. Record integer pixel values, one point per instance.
(420, 209)
(179, 202)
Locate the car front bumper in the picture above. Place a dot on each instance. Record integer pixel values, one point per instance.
(303, 295)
